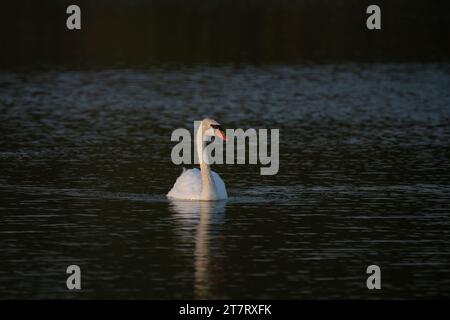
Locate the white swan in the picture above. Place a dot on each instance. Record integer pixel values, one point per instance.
(203, 184)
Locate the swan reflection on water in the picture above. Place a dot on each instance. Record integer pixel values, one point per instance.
(200, 216)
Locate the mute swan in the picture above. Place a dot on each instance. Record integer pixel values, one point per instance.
(203, 184)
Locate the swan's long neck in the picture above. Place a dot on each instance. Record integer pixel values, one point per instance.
(208, 187)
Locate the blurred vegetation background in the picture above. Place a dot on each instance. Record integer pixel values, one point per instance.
(131, 33)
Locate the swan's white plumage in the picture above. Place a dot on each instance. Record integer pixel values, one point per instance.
(189, 185)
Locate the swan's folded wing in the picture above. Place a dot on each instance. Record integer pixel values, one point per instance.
(220, 186)
(187, 186)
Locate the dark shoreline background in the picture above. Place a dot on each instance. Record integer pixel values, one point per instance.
(141, 33)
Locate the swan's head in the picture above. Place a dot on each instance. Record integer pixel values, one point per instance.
(212, 128)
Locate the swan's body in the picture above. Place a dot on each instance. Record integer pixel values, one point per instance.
(203, 184)
(189, 186)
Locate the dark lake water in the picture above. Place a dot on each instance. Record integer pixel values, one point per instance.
(364, 179)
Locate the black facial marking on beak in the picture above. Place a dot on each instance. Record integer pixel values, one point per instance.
(222, 132)
(216, 126)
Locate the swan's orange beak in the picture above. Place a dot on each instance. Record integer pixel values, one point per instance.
(223, 136)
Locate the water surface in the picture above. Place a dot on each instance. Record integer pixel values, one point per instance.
(364, 179)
